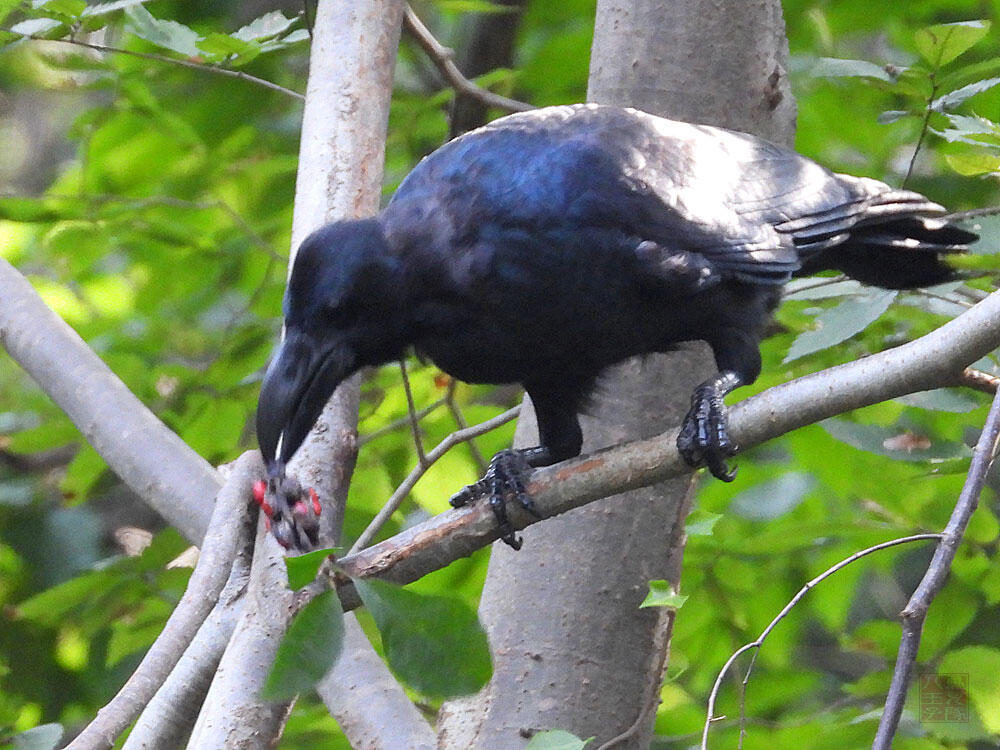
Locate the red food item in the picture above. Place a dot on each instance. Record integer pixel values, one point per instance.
(317, 508)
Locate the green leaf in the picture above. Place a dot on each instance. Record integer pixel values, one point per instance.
(663, 594)
(892, 115)
(7, 7)
(954, 98)
(841, 322)
(101, 9)
(971, 162)
(302, 569)
(941, 44)
(893, 442)
(43, 28)
(701, 523)
(268, 25)
(219, 47)
(308, 650)
(167, 34)
(557, 739)
(64, 10)
(940, 399)
(773, 498)
(42, 737)
(433, 643)
(835, 67)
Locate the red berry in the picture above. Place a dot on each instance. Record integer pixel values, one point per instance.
(317, 508)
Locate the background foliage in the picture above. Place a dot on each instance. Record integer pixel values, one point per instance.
(150, 204)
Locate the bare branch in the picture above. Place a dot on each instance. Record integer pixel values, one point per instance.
(916, 609)
(929, 362)
(215, 69)
(168, 718)
(153, 461)
(711, 718)
(441, 57)
(979, 380)
(411, 411)
(403, 490)
(217, 554)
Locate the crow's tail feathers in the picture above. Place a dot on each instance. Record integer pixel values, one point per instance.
(893, 239)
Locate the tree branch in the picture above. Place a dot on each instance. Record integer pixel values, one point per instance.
(167, 719)
(441, 57)
(932, 361)
(711, 718)
(153, 461)
(217, 554)
(933, 581)
(215, 69)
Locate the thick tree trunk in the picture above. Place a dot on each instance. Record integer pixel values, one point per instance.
(572, 650)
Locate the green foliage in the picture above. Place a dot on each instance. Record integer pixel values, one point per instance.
(433, 643)
(308, 650)
(663, 594)
(159, 229)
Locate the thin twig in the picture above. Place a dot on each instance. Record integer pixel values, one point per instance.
(924, 127)
(441, 57)
(396, 424)
(916, 609)
(393, 503)
(711, 717)
(228, 72)
(460, 420)
(979, 380)
(411, 412)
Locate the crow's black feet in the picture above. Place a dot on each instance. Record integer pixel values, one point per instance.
(704, 436)
(291, 513)
(504, 479)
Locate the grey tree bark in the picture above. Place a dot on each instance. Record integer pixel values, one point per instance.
(572, 650)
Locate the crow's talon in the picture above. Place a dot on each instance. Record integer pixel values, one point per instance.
(504, 480)
(704, 436)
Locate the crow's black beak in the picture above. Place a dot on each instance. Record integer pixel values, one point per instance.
(298, 383)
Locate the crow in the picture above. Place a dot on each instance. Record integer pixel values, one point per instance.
(548, 245)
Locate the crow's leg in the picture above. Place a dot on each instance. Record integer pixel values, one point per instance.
(506, 478)
(704, 436)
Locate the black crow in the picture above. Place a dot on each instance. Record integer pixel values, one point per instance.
(548, 245)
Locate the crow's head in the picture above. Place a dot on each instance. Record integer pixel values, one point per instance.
(340, 315)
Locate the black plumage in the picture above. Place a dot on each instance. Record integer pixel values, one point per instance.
(551, 244)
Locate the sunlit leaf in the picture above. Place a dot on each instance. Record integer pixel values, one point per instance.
(700, 522)
(835, 67)
(954, 98)
(44, 28)
(557, 739)
(268, 25)
(225, 47)
(663, 594)
(308, 650)
(839, 323)
(971, 162)
(941, 44)
(433, 643)
(163, 33)
(64, 10)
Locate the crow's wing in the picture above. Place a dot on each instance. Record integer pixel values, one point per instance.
(752, 209)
